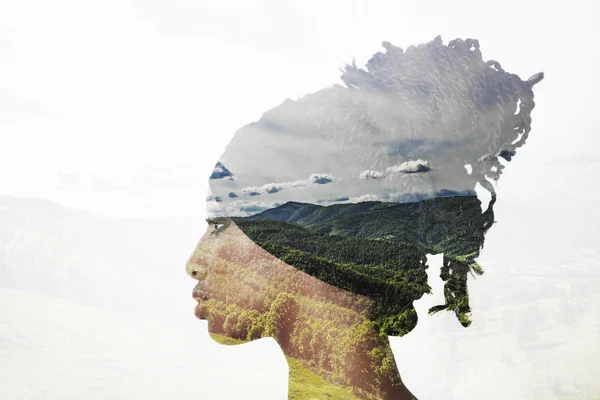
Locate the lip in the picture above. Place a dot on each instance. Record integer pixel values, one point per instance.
(200, 311)
(201, 296)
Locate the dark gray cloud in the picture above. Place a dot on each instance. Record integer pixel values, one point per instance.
(336, 200)
(321, 179)
(220, 172)
(507, 154)
(232, 195)
(252, 207)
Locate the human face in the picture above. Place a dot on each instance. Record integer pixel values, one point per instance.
(206, 263)
(238, 282)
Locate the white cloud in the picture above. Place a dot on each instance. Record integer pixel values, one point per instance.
(364, 197)
(407, 167)
(410, 167)
(271, 188)
(213, 210)
(368, 174)
(245, 208)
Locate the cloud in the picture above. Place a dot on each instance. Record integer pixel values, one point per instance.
(321, 179)
(401, 112)
(398, 197)
(213, 210)
(403, 197)
(368, 174)
(507, 154)
(410, 167)
(277, 187)
(336, 200)
(232, 195)
(220, 172)
(244, 208)
(271, 188)
(364, 197)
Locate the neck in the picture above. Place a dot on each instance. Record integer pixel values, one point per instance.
(368, 371)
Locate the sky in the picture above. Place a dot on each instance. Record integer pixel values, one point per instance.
(123, 108)
(412, 124)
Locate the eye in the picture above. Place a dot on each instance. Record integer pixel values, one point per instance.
(216, 225)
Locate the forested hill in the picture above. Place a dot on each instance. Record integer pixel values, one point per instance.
(451, 225)
(378, 249)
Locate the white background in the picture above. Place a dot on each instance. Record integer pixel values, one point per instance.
(122, 108)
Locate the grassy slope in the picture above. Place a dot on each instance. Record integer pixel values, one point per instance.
(304, 383)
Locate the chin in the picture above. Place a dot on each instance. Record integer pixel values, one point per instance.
(225, 340)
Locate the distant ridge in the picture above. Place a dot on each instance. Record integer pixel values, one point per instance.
(454, 225)
(296, 212)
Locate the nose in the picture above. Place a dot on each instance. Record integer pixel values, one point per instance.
(195, 270)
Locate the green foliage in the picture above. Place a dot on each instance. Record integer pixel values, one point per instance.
(379, 249)
(339, 337)
(400, 324)
(281, 318)
(393, 274)
(451, 225)
(307, 385)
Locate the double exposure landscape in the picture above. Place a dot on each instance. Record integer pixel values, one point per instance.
(323, 212)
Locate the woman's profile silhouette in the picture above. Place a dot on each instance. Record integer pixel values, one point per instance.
(322, 213)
